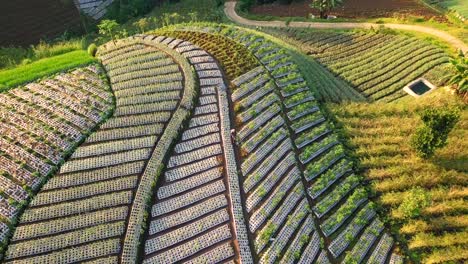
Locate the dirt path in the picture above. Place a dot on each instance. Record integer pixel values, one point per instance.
(230, 11)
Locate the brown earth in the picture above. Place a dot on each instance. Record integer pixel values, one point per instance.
(25, 22)
(354, 9)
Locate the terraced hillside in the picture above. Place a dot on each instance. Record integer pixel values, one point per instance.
(276, 202)
(82, 213)
(343, 217)
(93, 8)
(40, 126)
(193, 217)
(236, 60)
(377, 65)
(189, 170)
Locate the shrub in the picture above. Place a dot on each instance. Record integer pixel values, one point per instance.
(92, 49)
(434, 133)
(414, 202)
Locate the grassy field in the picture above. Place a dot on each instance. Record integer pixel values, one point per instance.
(379, 134)
(13, 56)
(29, 72)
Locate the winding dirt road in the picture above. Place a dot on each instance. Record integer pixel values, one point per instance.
(230, 11)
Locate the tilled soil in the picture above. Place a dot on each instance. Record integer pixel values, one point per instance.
(25, 22)
(354, 9)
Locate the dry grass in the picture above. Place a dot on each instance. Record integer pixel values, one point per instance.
(380, 134)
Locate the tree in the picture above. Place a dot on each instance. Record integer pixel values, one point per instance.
(434, 132)
(325, 6)
(107, 28)
(460, 78)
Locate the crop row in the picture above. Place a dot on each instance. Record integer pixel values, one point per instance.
(335, 189)
(234, 59)
(35, 136)
(191, 201)
(368, 59)
(95, 190)
(271, 177)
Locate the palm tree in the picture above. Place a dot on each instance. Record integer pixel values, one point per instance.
(325, 6)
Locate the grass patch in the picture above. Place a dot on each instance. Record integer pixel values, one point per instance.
(13, 56)
(379, 136)
(44, 67)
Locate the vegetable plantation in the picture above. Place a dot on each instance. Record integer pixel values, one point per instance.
(378, 65)
(209, 143)
(41, 124)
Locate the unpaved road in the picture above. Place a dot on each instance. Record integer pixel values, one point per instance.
(230, 11)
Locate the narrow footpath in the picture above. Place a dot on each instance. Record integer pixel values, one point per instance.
(230, 11)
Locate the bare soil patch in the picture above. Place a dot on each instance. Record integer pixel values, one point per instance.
(354, 9)
(25, 22)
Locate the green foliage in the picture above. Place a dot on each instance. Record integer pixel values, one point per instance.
(460, 77)
(267, 232)
(414, 202)
(234, 58)
(378, 134)
(22, 74)
(245, 5)
(124, 10)
(13, 56)
(10, 56)
(47, 50)
(438, 123)
(325, 6)
(376, 63)
(108, 28)
(92, 49)
(189, 11)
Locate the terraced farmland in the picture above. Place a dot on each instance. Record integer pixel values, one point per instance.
(377, 65)
(82, 213)
(218, 151)
(193, 217)
(307, 176)
(40, 125)
(234, 59)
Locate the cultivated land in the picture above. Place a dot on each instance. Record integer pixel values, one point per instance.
(459, 6)
(393, 170)
(212, 143)
(353, 9)
(377, 65)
